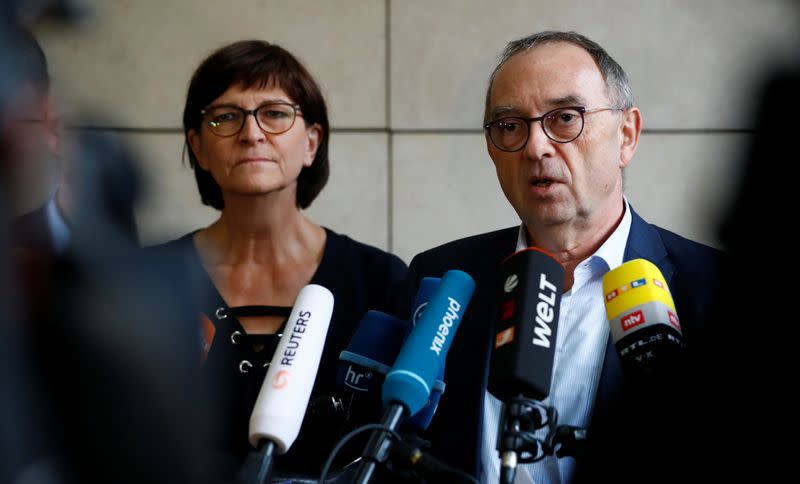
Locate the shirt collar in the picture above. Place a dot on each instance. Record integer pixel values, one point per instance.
(612, 251)
(59, 230)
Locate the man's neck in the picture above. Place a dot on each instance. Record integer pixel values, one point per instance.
(571, 247)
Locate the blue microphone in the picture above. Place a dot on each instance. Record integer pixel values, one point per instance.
(423, 354)
(422, 419)
(370, 353)
(408, 386)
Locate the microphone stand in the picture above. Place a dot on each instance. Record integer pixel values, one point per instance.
(520, 418)
(264, 475)
(379, 445)
(410, 461)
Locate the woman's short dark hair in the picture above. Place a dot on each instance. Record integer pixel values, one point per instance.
(257, 63)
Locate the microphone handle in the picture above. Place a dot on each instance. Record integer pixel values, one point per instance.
(377, 449)
(508, 457)
(508, 467)
(264, 475)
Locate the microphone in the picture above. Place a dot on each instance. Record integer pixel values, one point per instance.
(644, 323)
(376, 344)
(526, 327)
(422, 419)
(370, 353)
(424, 352)
(408, 385)
(276, 417)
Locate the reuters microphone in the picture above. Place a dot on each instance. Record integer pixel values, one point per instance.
(280, 407)
(644, 323)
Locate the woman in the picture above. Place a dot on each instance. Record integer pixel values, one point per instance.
(256, 130)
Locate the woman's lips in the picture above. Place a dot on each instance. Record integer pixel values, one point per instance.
(253, 160)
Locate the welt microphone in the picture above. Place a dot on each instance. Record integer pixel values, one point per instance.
(525, 338)
(283, 398)
(644, 324)
(408, 385)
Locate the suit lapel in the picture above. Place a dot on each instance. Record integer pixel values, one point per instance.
(643, 242)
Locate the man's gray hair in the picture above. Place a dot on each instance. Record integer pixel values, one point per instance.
(618, 86)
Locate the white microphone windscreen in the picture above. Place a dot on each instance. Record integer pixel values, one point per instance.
(284, 395)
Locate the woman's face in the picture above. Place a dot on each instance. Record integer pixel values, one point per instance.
(253, 162)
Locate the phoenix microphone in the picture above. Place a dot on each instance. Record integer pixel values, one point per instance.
(374, 347)
(644, 323)
(408, 385)
(526, 326)
(277, 415)
(422, 419)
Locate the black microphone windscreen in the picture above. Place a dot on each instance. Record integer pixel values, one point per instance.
(526, 323)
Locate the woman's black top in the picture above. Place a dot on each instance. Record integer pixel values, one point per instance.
(361, 277)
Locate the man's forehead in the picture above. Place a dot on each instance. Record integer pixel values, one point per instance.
(551, 75)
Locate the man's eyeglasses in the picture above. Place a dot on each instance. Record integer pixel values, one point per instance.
(272, 118)
(561, 125)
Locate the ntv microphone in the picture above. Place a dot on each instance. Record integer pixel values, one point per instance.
(276, 419)
(644, 323)
(524, 348)
(407, 387)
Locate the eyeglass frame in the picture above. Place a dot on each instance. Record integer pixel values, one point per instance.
(580, 109)
(248, 112)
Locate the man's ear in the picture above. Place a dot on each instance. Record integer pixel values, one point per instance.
(52, 126)
(630, 130)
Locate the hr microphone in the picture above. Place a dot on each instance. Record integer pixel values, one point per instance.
(280, 407)
(644, 323)
(408, 385)
(371, 352)
(526, 327)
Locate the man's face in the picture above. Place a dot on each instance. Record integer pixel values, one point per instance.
(31, 139)
(575, 185)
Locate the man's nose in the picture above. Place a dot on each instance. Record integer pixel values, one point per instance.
(538, 145)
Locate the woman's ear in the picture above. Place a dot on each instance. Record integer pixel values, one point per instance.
(313, 137)
(193, 137)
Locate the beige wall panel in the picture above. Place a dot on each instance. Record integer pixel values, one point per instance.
(684, 182)
(135, 57)
(691, 63)
(445, 188)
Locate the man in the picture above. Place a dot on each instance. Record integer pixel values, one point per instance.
(36, 134)
(561, 127)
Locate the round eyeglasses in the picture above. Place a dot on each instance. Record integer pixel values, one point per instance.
(272, 118)
(561, 125)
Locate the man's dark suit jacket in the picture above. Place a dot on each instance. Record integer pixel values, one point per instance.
(32, 231)
(626, 431)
